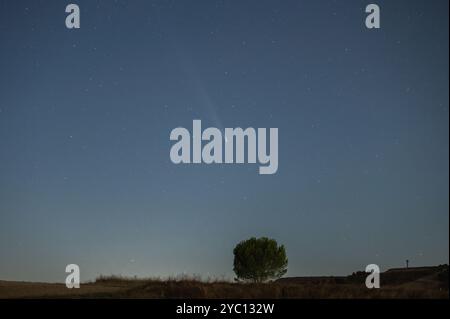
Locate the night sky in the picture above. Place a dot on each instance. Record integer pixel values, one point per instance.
(86, 114)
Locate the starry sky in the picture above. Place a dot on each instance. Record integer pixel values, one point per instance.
(85, 118)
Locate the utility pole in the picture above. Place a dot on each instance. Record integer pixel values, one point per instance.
(407, 263)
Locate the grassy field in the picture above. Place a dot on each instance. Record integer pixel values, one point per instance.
(425, 282)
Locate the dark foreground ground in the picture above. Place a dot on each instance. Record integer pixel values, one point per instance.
(422, 282)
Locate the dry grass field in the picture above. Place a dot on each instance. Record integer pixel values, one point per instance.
(424, 282)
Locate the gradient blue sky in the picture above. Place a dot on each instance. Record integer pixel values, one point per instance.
(85, 118)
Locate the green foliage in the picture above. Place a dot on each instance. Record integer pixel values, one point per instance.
(259, 259)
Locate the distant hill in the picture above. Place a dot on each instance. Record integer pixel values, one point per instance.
(436, 276)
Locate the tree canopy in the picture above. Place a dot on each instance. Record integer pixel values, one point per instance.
(259, 259)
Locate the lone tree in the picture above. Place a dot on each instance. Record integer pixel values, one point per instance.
(259, 259)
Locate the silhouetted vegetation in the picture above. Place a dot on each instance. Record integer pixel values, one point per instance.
(423, 282)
